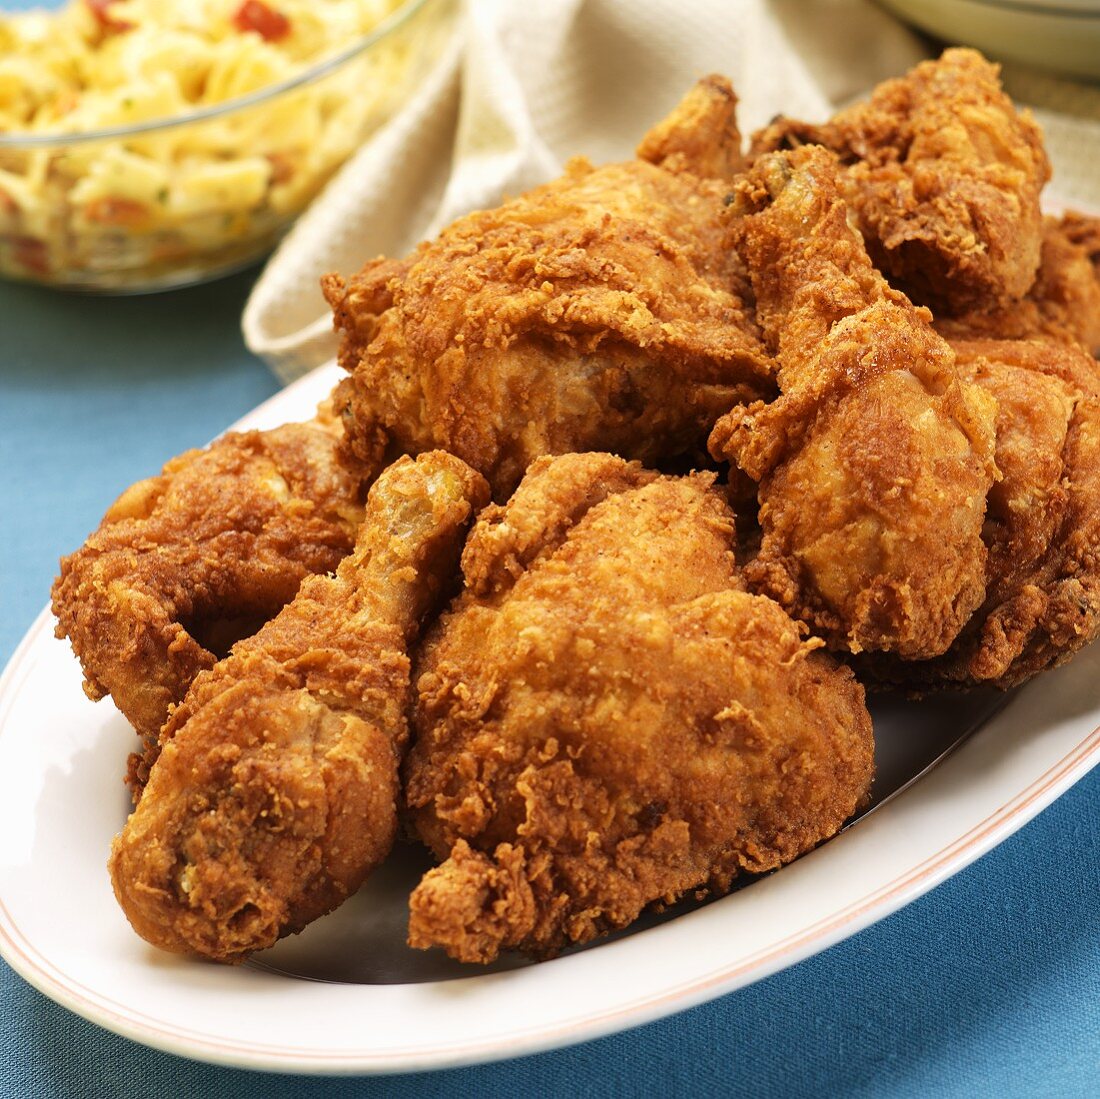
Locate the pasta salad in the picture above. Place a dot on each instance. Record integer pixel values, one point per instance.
(136, 137)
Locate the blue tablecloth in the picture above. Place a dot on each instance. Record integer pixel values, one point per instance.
(988, 986)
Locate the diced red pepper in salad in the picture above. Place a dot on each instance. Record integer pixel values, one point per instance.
(269, 24)
(29, 252)
(112, 210)
(101, 9)
(282, 167)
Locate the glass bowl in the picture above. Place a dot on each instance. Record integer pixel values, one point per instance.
(186, 198)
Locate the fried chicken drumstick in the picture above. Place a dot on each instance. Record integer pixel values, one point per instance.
(943, 176)
(603, 310)
(605, 720)
(185, 562)
(874, 463)
(276, 787)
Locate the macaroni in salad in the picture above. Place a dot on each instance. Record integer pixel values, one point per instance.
(128, 208)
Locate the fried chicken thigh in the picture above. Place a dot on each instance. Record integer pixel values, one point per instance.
(874, 463)
(605, 720)
(943, 177)
(603, 310)
(186, 562)
(276, 787)
(1043, 521)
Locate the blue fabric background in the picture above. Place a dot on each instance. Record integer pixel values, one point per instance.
(988, 986)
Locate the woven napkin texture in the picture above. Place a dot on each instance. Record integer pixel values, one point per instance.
(525, 84)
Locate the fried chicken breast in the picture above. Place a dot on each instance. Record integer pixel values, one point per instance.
(605, 720)
(603, 310)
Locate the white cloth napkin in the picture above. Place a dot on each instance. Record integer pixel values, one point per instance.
(526, 84)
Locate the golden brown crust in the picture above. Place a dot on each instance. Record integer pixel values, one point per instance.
(1083, 230)
(612, 723)
(943, 175)
(602, 310)
(874, 463)
(1062, 305)
(186, 561)
(613, 715)
(554, 495)
(701, 135)
(275, 791)
(1043, 521)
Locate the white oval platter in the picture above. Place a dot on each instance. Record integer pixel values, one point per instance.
(348, 997)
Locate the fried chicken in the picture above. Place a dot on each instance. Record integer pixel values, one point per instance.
(874, 463)
(275, 791)
(606, 721)
(943, 176)
(614, 713)
(1042, 525)
(1084, 230)
(1062, 305)
(602, 310)
(186, 562)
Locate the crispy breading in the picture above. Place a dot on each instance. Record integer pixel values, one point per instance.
(700, 136)
(874, 463)
(604, 310)
(943, 177)
(276, 788)
(606, 720)
(185, 562)
(1063, 304)
(1042, 525)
